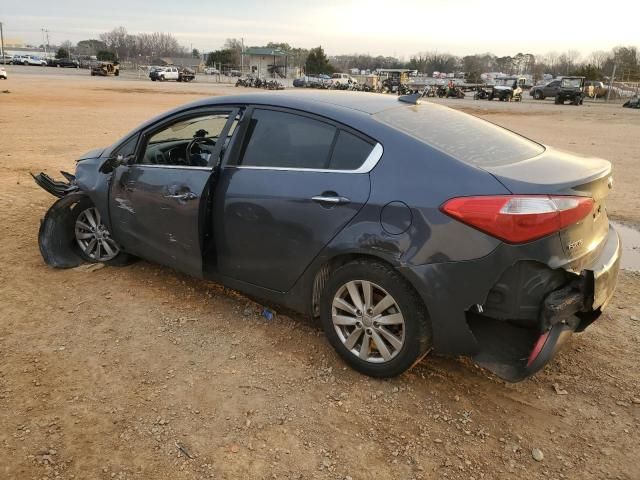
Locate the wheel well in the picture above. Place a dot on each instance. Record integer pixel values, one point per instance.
(325, 270)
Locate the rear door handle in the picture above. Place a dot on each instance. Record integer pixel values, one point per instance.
(183, 196)
(331, 200)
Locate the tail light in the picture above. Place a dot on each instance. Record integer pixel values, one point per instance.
(518, 218)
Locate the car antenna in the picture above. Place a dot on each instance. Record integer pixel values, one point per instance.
(413, 98)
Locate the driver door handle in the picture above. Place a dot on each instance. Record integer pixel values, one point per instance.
(183, 196)
(330, 199)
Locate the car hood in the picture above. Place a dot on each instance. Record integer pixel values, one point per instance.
(95, 153)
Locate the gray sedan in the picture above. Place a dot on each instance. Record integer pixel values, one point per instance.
(404, 228)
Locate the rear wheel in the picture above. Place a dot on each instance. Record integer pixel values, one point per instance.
(537, 95)
(374, 319)
(559, 100)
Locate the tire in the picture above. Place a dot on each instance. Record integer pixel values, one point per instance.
(392, 358)
(537, 95)
(119, 259)
(558, 101)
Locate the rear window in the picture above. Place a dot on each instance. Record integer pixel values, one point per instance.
(461, 136)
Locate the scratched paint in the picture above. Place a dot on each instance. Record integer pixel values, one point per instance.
(124, 204)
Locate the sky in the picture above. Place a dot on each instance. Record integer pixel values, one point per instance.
(397, 28)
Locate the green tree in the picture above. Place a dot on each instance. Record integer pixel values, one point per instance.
(317, 62)
(106, 56)
(221, 57)
(589, 71)
(62, 53)
(195, 53)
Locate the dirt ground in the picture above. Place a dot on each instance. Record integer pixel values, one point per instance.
(143, 373)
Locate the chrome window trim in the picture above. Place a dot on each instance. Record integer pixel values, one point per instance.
(368, 165)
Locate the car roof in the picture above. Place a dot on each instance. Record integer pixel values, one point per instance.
(369, 103)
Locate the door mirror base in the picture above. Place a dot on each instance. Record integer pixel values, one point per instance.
(114, 162)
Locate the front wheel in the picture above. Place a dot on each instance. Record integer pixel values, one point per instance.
(374, 319)
(92, 238)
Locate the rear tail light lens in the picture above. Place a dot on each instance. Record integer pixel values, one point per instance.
(518, 218)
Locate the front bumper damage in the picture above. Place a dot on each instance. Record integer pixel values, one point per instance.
(515, 326)
(55, 187)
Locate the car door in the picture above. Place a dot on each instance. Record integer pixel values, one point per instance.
(158, 204)
(551, 89)
(288, 187)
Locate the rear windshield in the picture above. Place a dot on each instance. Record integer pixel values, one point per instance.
(461, 136)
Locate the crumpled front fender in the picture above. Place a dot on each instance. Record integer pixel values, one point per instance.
(55, 237)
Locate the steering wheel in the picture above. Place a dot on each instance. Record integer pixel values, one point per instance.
(198, 141)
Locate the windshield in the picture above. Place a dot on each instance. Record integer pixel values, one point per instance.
(571, 82)
(461, 136)
(505, 82)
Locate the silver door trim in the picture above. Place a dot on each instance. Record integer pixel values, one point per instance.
(368, 165)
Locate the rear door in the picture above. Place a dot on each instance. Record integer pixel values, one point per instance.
(158, 205)
(288, 188)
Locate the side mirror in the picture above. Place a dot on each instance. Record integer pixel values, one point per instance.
(112, 163)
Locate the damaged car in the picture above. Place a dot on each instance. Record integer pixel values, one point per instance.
(405, 228)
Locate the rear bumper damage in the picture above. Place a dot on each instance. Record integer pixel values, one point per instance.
(511, 311)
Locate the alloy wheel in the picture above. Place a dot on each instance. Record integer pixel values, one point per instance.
(368, 321)
(93, 238)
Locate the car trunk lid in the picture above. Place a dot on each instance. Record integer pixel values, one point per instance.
(558, 173)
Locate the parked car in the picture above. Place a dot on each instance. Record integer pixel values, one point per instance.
(571, 90)
(29, 60)
(3, 73)
(211, 71)
(550, 89)
(342, 79)
(65, 63)
(314, 81)
(405, 228)
(179, 74)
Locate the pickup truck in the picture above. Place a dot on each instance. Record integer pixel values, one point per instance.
(179, 74)
(342, 79)
(29, 60)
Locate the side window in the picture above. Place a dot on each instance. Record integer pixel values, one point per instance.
(187, 142)
(128, 148)
(286, 140)
(349, 152)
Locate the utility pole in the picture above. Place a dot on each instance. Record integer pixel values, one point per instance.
(613, 74)
(242, 56)
(4, 60)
